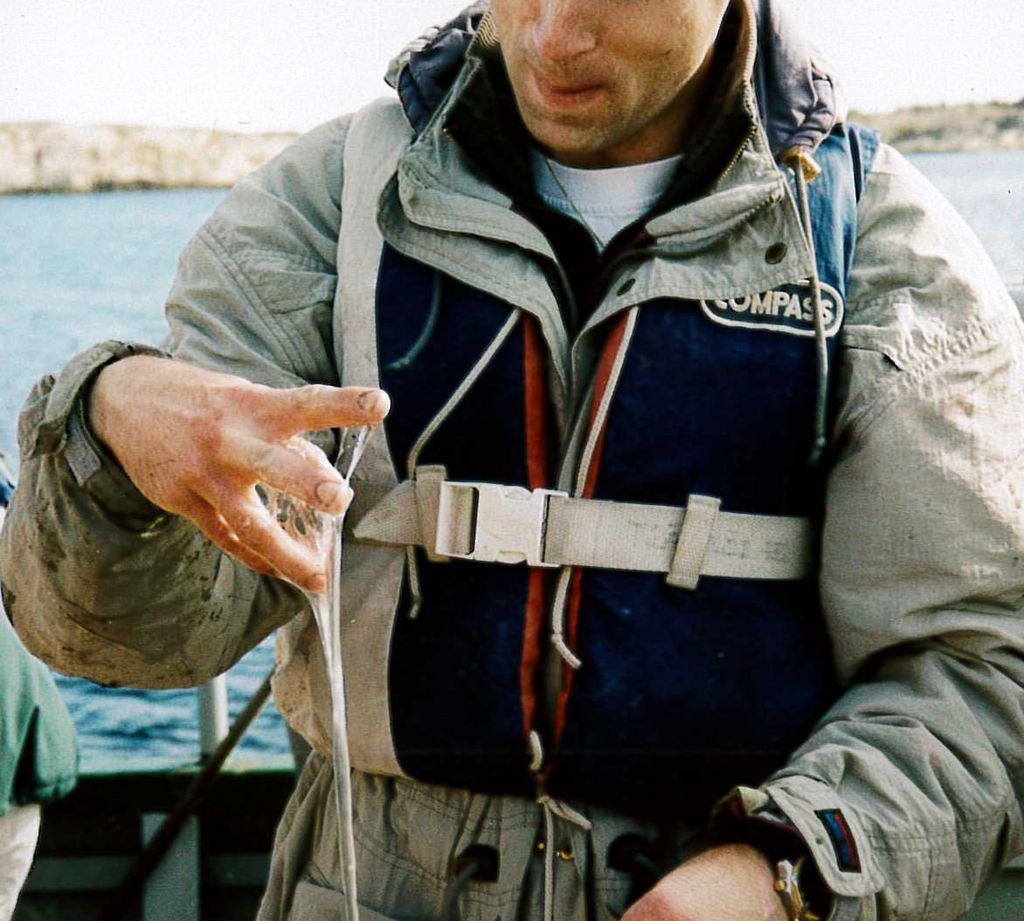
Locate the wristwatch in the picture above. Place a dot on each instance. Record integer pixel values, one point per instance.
(787, 885)
(769, 831)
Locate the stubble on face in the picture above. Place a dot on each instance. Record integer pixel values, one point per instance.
(607, 82)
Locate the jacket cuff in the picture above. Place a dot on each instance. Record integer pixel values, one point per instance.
(828, 829)
(64, 427)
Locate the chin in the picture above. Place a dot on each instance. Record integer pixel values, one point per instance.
(567, 144)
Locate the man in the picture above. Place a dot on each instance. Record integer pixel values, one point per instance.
(780, 419)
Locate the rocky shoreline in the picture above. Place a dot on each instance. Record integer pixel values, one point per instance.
(38, 157)
(968, 128)
(47, 157)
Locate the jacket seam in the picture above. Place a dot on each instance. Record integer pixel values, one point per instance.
(290, 348)
(925, 841)
(976, 334)
(500, 897)
(931, 887)
(299, 259)
(396, 861)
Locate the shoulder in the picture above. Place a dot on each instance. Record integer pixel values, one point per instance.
(302, 185)
(922, 291)
(912, 242)
(312, 168)
(293, 204)
(261, 273)
(276, 231)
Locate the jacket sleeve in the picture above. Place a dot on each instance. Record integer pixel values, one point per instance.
(38, 747)
(909, 791)
(98, 581)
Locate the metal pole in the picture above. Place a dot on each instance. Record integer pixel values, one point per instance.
(212, 700)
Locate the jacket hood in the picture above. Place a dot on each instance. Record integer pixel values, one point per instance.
(796, 91)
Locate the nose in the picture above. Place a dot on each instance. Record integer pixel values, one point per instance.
(563, 30)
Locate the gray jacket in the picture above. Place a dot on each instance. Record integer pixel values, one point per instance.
(922, 576)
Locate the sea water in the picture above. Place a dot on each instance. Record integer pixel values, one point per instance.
(75, 269)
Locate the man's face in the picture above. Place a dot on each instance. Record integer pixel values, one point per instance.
(602, 82)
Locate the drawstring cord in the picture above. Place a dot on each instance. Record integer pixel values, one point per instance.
(416, 349)
(555, 809)
(558, 621)
(449, 911)
(472, 863)
(415, 590)
(536, 751)
(589, 450)
(805, 171)
(470, 379)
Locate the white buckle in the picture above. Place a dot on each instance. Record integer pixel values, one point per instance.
(506, 524)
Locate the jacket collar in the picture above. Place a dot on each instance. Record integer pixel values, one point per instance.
(471, 186)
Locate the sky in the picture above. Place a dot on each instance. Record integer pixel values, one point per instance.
(291, 64)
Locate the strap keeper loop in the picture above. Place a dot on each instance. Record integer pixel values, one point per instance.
(694, 539)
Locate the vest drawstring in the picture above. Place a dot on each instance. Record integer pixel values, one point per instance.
(590, 449)
(806, 170)
(558, 621)
(400, 364)
(536, 751)
(468, 381)
(554, 808)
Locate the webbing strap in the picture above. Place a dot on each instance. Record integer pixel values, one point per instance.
(376, 138)
(694, 540)
(643, 538)
(589, 532)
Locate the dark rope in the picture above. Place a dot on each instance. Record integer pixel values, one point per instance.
(400, 364)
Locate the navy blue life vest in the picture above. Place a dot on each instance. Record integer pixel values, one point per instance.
(680, 690)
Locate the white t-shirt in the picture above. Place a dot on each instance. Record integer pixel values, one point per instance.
(604, 200)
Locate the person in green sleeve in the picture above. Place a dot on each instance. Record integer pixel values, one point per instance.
(38, 750)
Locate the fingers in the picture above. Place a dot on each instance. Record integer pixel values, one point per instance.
(296, 467)
(260, 534)
(215, 529)
(317, 407)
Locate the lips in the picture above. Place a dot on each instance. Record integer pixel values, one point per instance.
(564, 95)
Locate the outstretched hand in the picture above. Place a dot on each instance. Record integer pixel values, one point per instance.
(195, 443)
(733, 882)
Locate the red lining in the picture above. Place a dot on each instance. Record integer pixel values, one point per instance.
(535, 410)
